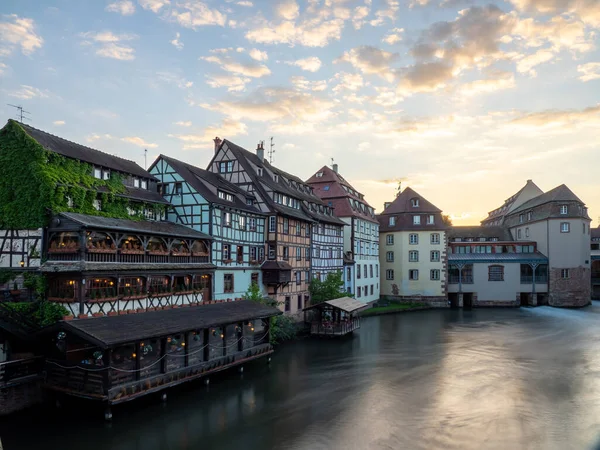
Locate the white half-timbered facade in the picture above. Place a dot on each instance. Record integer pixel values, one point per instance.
(206, 202)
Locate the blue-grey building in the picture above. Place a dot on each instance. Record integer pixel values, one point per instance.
(206, 202)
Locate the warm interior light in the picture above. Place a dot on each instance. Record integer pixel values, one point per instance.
(111, 283)
(22, 263)
(183, 344)
(252, 329)
(222, 336)
(142, 344)
(134, 355)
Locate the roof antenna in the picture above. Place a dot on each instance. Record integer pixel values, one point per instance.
(145, 159)
(20, 112)
(271, 151)
(332, 162)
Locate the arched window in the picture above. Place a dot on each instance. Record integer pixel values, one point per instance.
(179, 248)
(132, 245)
(199, 248)
(157, 246)
(97, 242)
(66, 242)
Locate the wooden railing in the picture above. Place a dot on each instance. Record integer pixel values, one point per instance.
(15, 371)
(335, 329)
(65, 375)
(120, 257)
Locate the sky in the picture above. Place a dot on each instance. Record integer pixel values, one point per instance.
(462, 100)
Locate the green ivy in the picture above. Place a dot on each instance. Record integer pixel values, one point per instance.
(37, 283)
(35, 183)
(41, 313)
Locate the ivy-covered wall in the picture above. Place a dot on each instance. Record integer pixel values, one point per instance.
(35, 183)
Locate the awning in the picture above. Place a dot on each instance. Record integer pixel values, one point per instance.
(492, 258)
(114, 330)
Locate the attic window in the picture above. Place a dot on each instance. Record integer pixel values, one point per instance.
(97, 173)
(144, 184)
(106, 174)
(178, 189)
(259, 171)
(136, 182)
(392, 221)
(225, 196)
(249, 202)
(319, 174)
(414, 202)
(325, 188)
(276, 178)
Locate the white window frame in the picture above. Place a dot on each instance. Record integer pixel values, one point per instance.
(414, 202)
(416, 220)
(144, 184)
(431, 256)
(389, 256)
(392, 221)
(564, 209)
(413, 274)
(106, 174)
(389, 239)
(434, 238)
(389, 274)
(242, 222)
(431, 219)
(98, 173)
(136, 182)
(565, 274)
(565, 227)
(272, 224)
(413, 256)
(413, 239)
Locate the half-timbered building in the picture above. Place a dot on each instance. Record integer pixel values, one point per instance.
(206, 202)
(361, 231)
(292, 209)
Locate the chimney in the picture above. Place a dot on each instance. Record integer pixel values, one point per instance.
(335, 168)
(260, 151)
(217, 141)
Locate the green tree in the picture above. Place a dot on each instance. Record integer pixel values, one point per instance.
(282, 327)
(332, 287)
(446, 220)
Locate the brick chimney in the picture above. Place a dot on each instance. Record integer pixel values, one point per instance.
(260, 151)
(217, 141)
(334, 167)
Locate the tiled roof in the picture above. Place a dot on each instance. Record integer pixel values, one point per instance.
(81, 152)
(595, 232)
(497, 257)
(200, 179)
(347, 304)
(143, 195)
(141, 226)
(402, 204)
(559, 194)
(109, 331)
(477, 231)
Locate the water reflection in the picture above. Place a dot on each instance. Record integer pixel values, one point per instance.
(492, 379)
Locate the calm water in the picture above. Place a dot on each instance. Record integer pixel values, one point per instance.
(485, 379)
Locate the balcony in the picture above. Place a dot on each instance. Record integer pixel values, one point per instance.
(119, 256)
(466, 279)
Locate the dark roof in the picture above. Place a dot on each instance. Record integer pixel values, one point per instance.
(559, 194)
(143, 195)
(333, 189)
(500, 212)
(595, 232)
(347, 304)
(496, 257)
(86, 266)
(200, 179)
(110, 331)
(82, 153)
(402, 204)
(142, 226)
(478, 231)
(275, 265)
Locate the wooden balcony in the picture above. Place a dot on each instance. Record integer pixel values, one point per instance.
(119, 256)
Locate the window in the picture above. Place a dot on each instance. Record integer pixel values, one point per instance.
(377, 269)
(413, 239)
(226, 252)
(253, 253)
(226, 219)
(259, 171)
(519, 233)
(358, 291)
(564, 209)
(298, 253)
(286, 225)
(529, 214)
(372, 290)
(307, 229)
(97, 205)
(413, 256)
(414, 202)
(389, 239)
(298, 277)
(564, 273)
(521, 218)
(299, 302)
(416, 220)
(527, 232)
(240, 254)
(434, 274)
(565, 227)
(228, 282)
(435, 238)
(225, 166)
(242, 222)
(252, 224)
(371, 270)
(286, 253)
(389, 274)
(389, 256)
(298, 229)
(272, 224)
(224, 196)
(392, 221)
(144, 184)
(435, 256)
(272, 251)
(287, 303)
(276, 178)
(97, 173)
(307, 253)
(136, 182)
(106, 175)
(178, 189)
(325, 188)
(496, 273)
(430, 220)
(413, 275)
(358, 271)
(70, 202)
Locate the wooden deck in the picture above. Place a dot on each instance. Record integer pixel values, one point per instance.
(335, 329)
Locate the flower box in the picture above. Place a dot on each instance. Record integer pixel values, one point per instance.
(133, 297)
(61, 300)
(181, 254)
(158, 253)
(199, 254)
(63, 250)
(161, 294)
(227, 261)
(101, 250)
(101, 300)
(132, 252)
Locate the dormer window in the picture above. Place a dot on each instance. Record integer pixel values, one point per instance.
(564, 209)
(414, 202)
(249, 202)
(319, 174)
(276, 178)
(392, 221)
(97, 173)
(144, 184)
(225, 196)
(106, 174)
(325, 188)
(136, 182)
(259, 171)
(416, 220)
(529, 214)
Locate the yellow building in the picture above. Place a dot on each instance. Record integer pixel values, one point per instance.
(412, 250)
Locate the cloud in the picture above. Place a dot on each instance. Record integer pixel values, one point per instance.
(360, 14)
(3, 67)
(310, 32)
(108, 44)
(348, 81)
(563, 119)
(310, 64)
(59, 123)
(288, 9)
(370, 60)
(527, 64)
(18, 33)
(96, 137)
(183, 123)
(587, 10)
(227, 129)
(307, 85)
(364, 146)
(258, 55)
(393, 36)
(233, 83)
(135, 140)
(558, 32)
(123, 7)
(245, 3)
(497, 80)
(387, 12)
(154, 5)
(175, 79)
(246, 68)
(589, 71)
(176, 42)
(28, 92)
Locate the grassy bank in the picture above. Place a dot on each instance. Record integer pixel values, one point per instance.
(392, 308)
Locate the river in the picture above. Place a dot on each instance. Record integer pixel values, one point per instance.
(482, 379)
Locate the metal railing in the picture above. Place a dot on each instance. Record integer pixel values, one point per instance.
(466, 279)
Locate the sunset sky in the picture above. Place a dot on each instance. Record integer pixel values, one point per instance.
(461, 100)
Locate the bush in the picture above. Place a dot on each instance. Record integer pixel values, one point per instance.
(283, 328)
(42, 313)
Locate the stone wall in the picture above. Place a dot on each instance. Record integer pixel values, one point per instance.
(433, 301)
(572, 292)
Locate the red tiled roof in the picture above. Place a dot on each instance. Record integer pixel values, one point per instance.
(402, 204)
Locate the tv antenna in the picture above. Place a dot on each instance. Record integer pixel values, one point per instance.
(271, 151)
(145, 159)
(20, 112)
(332, 162)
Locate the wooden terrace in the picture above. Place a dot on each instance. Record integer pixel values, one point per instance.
(334, 317)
